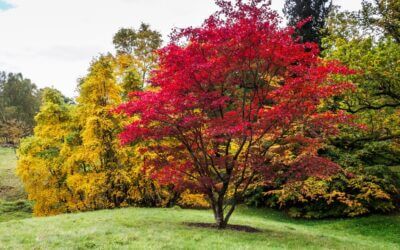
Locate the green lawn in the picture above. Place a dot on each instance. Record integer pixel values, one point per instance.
(147, 228)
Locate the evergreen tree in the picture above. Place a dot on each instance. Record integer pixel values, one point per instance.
(299, 10)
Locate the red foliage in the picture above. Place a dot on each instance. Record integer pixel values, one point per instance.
(231, 93)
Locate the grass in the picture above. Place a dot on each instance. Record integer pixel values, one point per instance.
(15, 210)
(156, 228)
(10, 186)
(12, 195)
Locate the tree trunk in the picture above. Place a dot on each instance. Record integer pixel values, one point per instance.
(221, 219)
(219, 216)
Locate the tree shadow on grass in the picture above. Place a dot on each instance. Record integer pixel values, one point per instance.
(239, 228)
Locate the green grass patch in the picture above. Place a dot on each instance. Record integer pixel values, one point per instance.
(15, 210)
(155, 228)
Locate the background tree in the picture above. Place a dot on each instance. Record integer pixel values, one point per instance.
(376, 103)
(235, 108)
(384, 14)
(19, 102)
(140, 45)
(369, 153)
(299, 10)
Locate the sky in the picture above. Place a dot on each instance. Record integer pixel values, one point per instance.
(52, 42)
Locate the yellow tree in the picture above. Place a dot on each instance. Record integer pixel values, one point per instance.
(100, 172)
(75, 162)
(40, 163)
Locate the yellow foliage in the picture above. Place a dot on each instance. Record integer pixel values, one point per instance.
(40, 164)
(190, 200)
(75, 162)
(337, 196)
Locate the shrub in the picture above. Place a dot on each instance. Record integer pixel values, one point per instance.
(338, 196)
(192, 200)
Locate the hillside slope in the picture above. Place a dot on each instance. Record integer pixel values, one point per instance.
(12, 196)
(146, 228)
(10, 185)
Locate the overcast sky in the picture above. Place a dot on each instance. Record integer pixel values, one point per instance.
(53, 41)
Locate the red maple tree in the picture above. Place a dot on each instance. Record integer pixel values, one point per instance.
(233, 100)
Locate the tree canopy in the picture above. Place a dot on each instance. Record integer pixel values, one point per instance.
(235, 107)
(19, 102)
(140, 45)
